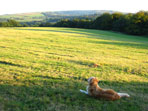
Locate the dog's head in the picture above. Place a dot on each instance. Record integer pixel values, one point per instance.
(93, 80)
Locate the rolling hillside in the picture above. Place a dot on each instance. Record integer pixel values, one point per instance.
(56, 15)
(42, 69)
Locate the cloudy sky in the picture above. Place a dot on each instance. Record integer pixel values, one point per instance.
(22, 6)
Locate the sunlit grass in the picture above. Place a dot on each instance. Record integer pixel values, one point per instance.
(44, 68)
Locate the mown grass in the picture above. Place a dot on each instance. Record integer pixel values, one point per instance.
(42, 69)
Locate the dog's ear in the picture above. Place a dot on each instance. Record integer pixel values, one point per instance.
(95, 80)
(92, 80)
(89, 80)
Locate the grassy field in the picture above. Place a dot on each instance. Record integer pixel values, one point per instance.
(42, 69)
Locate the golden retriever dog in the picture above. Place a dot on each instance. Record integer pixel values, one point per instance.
(94, 90)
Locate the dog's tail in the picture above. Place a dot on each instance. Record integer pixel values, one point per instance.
(82, 91)
(124, 95)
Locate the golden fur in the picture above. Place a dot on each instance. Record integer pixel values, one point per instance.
(94, 90)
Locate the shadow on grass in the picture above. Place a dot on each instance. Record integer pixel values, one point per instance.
(85, 63)
(74, 31)
(60, 54)
(53, 78)
(11, 64)
(49, 30)
(63, 94)
(46, 77)
(103, 35)
(125, 44)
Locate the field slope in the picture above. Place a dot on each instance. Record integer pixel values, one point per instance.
(42, 69)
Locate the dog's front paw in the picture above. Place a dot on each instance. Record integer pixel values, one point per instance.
(128, 96)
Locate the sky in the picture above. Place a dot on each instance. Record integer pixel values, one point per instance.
(24, 6)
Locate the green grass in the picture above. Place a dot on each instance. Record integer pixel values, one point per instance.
(42, 69)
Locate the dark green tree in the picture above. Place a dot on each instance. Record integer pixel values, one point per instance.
(103, 22)
(122, 23)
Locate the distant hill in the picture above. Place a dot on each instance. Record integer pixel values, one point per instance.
(23, 17)
(53, 16)
(77, 12)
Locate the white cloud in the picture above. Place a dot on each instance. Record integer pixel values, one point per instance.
(20, 6)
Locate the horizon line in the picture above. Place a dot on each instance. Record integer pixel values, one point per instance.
(66, 10)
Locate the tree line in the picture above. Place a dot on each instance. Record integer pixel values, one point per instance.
(10, 23)
(14, 23)
(135, 24)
